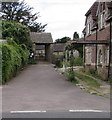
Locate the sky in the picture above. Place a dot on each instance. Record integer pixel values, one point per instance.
(63, 17)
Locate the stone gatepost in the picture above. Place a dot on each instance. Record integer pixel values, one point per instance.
(48, 52)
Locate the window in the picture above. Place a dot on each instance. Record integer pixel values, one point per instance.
(89, 29)
(100, 60)
(88, 55)
(102, 21)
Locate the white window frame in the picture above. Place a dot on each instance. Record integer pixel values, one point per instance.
(102, 20)
(88, 28)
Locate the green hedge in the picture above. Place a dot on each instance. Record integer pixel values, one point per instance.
(14, 57)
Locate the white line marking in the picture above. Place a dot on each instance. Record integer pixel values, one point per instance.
(27, 111)
(85, 111)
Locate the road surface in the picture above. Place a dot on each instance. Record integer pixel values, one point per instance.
(40, 88)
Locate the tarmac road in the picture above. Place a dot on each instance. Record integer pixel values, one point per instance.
(40, 88)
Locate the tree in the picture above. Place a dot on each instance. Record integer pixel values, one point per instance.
(18, 32)
(75, 36)
(37, 27)
(22, 13)
(63, 40)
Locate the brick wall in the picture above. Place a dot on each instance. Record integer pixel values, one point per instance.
(103, 34)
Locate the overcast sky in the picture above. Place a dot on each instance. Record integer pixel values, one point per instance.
(63, 17)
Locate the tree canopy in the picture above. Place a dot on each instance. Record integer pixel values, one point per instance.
(22, 13)
(63, 40)
(75, 36)
(18, 32)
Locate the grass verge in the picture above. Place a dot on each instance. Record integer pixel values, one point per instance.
(91, 85)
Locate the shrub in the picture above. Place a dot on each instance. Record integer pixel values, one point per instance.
(57, 60)
(17, 31)
(71, 76)
(78, 61)
(14, 57)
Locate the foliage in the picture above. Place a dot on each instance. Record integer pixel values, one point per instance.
(17, 31)
(18, 12)
(95, 74)
(57, 60)
(14, 57)
(71, 76)
(37, 27)
(69, 47)
(92, 71)
(75, 36)
(78, 61)
(22, 13)
(79, 47)
(63, 40)
(88, 80)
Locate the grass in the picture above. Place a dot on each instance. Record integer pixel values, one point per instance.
(91, 85)
(88, 80)
(94, 74)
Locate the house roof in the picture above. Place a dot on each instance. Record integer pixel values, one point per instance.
(109, 5)
(58, 47)
(42, 38)
(93, 10)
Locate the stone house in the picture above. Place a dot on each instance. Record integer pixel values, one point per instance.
(97, 42)
(98, 38)
(58, 48)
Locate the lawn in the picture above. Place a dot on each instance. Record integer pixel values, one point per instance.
(88, 80)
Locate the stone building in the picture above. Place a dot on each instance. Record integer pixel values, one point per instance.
(58, 48)
(97, 49)
(98, 35)
(45, 41)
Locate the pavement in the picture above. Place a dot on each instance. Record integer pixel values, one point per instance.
(40, 88)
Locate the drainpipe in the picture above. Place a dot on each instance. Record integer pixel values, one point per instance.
(84, 51)
(109, 70)
(96, 48)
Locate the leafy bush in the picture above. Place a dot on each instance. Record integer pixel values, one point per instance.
(57, 60)
(78, 61)
(14, 57)
(17, 31)
(71, 76)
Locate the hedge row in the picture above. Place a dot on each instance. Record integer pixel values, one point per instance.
(14, 58)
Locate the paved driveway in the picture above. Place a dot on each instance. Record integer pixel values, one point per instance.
(40, 87)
